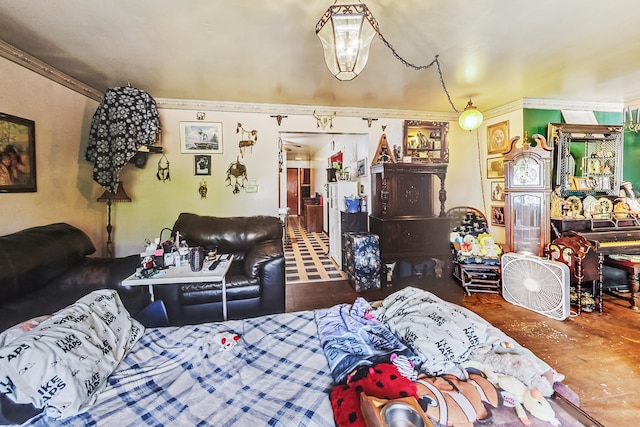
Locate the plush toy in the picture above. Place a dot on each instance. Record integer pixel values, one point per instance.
(455, 237)
(450, 401)
(518, 395)
(468, 245)
(226, 340)
(488, 247)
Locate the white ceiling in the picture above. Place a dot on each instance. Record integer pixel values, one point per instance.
(266, 51)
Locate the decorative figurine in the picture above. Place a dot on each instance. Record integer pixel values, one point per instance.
(203, 189)
(248, 138)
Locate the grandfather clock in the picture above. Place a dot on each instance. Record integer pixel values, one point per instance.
(527, 195)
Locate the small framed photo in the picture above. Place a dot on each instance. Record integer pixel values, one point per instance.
(495, 167)
(202, 164)
(497, 216)
(498, 138)
(362, 167)
(201, 137)
(18, 154)
(581, 184)
(497, 191)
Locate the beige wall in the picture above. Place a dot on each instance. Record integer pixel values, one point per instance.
(61, 118)
(67, 193)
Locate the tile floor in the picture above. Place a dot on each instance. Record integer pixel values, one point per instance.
(307, 255)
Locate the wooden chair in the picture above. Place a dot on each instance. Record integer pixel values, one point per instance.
(475, 273)
(584, 262)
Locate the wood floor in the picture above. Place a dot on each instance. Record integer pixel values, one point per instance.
(598, 353)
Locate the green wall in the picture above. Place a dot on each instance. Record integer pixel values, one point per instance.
(535, 121)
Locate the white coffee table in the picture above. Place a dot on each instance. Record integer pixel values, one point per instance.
(183, 274)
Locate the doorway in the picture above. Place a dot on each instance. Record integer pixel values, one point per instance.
(292, 191)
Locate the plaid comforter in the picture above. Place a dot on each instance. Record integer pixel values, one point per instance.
(276, 375)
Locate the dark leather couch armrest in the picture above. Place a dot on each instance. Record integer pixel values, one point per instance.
(273, 286)
(106, 273)
(261, 253)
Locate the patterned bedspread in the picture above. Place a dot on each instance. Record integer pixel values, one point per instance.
(275, 375)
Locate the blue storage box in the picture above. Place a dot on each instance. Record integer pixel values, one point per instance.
(362, 264)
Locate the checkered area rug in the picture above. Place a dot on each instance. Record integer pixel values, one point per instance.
(307, 255)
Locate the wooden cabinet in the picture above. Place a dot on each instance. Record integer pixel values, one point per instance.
(405, 214)
(402, 238)
(406, 189)
(313, 218)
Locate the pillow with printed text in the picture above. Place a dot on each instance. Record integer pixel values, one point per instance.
(63, 362)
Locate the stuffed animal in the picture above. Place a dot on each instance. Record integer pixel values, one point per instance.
(468, 245)
(488, 247)
(518, 395)
(450, 401)
(455, 237)
(226, 340)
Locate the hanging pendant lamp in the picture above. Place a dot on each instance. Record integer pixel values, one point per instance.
(346, 32)
(471, 117)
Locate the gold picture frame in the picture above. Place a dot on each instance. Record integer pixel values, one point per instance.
(497, 216)
(495, 167)
(498, 138)
(497, 191)
(18, 151)
(581, 184)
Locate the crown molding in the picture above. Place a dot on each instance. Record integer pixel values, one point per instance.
(556, 104)
(504, 109)
(282, 109)
(24, 59)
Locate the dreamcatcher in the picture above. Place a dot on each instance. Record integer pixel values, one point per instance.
(236, 175)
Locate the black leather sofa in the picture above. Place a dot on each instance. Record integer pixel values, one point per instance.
(46, 268)
(255, 282)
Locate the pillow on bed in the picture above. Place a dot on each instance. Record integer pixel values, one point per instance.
(62, 363)
(20, 329)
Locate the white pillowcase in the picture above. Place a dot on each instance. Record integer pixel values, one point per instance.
(62, 363)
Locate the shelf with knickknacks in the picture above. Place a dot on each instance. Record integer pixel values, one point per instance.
(342, 172)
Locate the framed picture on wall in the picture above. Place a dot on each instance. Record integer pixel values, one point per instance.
(202, 164)
(201, 137)
(362, 167)
(495, 167)
(18, 154)
(497, 216)
(426, 142)
(498, 138)
(497, 191)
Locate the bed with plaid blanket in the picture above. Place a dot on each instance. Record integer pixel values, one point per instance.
(276, 374)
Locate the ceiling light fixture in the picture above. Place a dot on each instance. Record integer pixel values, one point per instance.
(471, 117)
(346, 32)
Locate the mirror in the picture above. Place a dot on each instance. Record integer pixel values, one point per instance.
(588, 158)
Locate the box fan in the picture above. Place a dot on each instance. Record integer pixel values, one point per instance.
(536, 284)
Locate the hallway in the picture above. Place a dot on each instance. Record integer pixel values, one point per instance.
(307, 255)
